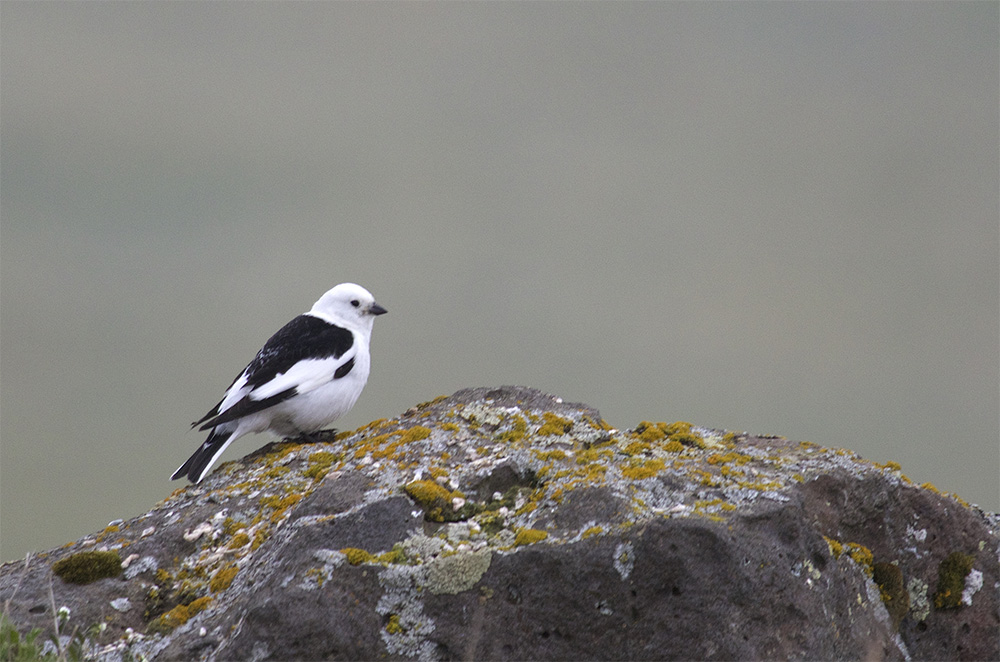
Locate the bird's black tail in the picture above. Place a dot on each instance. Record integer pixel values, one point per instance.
(202, 460)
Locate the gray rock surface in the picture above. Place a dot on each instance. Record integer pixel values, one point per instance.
(506, 524)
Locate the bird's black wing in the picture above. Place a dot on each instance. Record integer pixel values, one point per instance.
(305, 337)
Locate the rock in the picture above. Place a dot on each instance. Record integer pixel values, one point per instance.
(506, 524)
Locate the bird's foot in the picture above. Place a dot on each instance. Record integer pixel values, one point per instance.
(316, 437)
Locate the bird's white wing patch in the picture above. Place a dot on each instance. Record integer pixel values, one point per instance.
(236, 392)
(304, 376)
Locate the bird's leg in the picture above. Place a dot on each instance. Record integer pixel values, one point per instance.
(316, 437)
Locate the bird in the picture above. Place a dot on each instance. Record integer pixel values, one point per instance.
(306, 375)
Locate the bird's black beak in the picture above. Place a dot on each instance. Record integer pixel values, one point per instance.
(377, 310)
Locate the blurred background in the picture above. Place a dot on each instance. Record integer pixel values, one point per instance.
(777, 218)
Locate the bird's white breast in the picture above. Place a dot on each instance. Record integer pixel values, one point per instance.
(313, 410)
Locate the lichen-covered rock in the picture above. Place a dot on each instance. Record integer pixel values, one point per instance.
(506, 524)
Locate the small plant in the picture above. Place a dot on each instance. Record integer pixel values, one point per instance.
(15, 648)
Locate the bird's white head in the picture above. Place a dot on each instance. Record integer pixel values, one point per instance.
(348, 304)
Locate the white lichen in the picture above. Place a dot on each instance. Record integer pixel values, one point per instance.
(624, 559)
(973, 582)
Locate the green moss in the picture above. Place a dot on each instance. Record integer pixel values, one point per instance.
(889, 579)
(357, 556)
(554, 425)
(529, 537)
(223, 578)
(951, 580)
(86, 567)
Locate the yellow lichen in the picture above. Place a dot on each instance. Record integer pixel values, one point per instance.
(704, 477)
(223, 578)
(394, 555)
(554, 425)
(416, 433)
(437, 502)
(517, 432)
(678, 427)
(651, 432)
(637, 448)
(258, 539)
(592, 531)
(356, 556)
(108, 530)
(763, 486)
(731, 457)
(280, 505)
(529, 537)
(319, 464)
(241, 539)
(231, 526)
(862, 556)
(438, 399)
(179, 615)
(729, 472)
(644, 470)
(673, 446)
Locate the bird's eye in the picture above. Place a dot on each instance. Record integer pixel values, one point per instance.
(355, 303)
